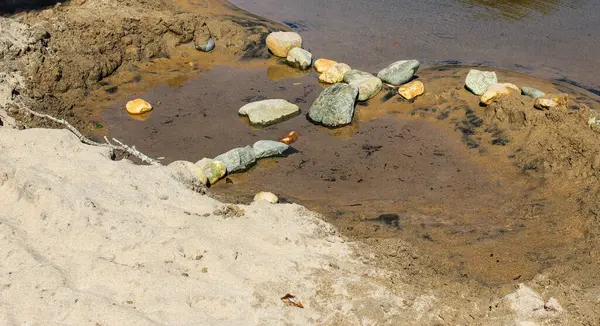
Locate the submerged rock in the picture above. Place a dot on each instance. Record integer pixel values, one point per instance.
(335, 73)
(269, 148)
(552, 102)
(138, 106)
(478, 81)
(335, 106)
(532, 92)
(412, 89)
(280, 43)
(399, 72)
(268, 112)
(268, 196)
(299, 58)
(495, 91)
(321, 65)
(368, 85)
(238, 159)
(214, 170)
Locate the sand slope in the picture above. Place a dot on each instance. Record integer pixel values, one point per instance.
(86, 240)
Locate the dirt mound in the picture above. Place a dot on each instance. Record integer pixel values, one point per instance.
(65, 51)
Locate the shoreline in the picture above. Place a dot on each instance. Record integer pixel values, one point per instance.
(139, 224)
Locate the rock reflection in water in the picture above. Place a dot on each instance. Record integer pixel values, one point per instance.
(279, 71)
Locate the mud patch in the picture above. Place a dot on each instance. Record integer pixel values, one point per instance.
(402, 175)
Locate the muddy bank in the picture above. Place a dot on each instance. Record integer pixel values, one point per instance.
(66, 50)
(480, 198)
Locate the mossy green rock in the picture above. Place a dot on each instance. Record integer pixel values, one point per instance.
(213, 170)
(399, 72)
(238, 159)
(335, 106)
(269, 148)
(532, 92)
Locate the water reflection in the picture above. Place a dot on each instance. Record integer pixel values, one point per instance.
(12, 6)
(517, 9)
(278, 71)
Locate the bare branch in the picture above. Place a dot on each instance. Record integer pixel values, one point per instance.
(122, 147)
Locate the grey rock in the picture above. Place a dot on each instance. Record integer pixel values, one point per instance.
(354, 75)
(368, 85)
(532, 92)
(238, 159)
(206, 47)
(399, 72)
(269, 148)
(335, 106)
(299, 58)
(478, 81)
(268, 112)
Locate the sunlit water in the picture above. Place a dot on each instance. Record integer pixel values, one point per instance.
(547, 38)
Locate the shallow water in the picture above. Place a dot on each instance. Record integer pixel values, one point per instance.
(420, 171)
(551, 39)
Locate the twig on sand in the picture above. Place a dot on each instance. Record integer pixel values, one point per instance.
(131, 150)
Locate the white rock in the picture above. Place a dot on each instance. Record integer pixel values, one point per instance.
(553, 305)
(299, 58)
(478, 81)
(268, 196)
(268, 112)
(280, 43)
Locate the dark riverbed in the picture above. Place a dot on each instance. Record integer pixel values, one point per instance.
(546, 38)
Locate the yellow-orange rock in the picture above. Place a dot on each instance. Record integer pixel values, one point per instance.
(321, 65)
(138, 106)
(280, 43)
(335, 74)
(495, 91)
(552, 101)
(412, 89)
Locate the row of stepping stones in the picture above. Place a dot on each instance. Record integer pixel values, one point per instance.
(335, 105)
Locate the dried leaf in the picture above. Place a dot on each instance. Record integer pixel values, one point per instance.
(291, 300)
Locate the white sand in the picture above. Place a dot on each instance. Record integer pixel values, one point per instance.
(86, 240)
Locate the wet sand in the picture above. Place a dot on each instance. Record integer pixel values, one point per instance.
(422, 171)
(550, 39)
